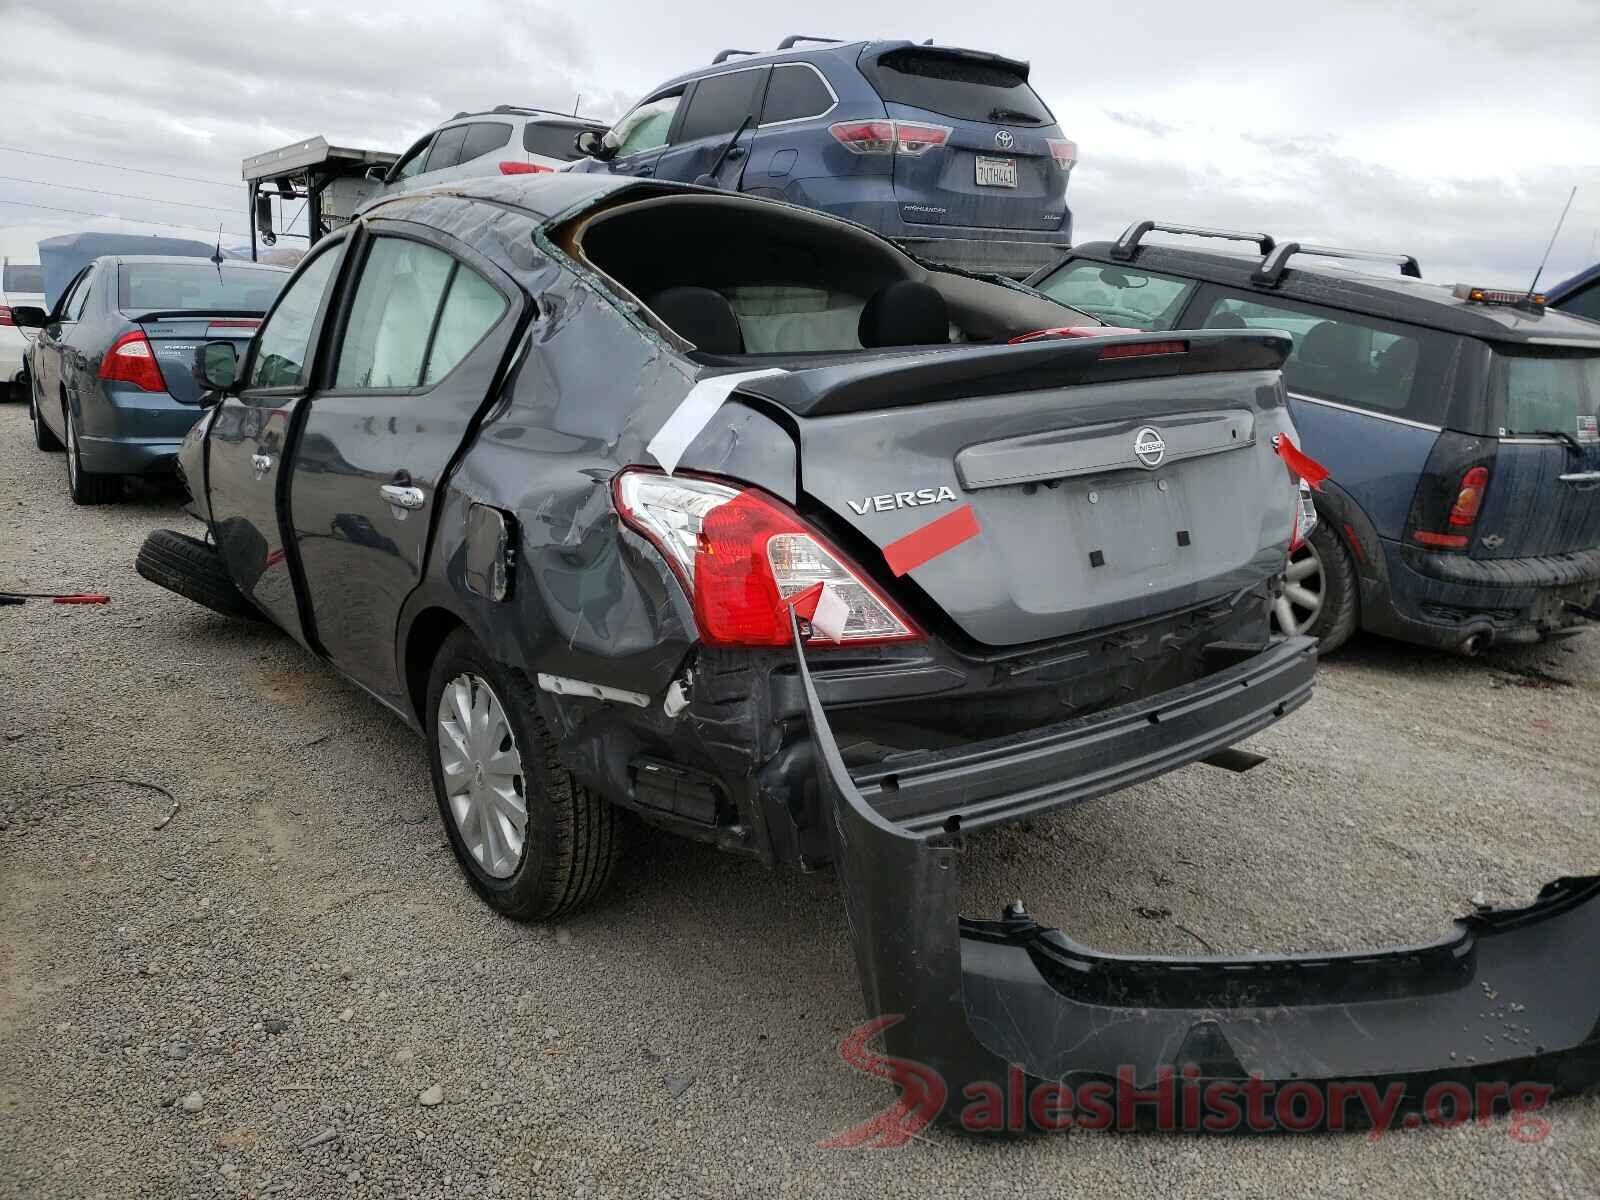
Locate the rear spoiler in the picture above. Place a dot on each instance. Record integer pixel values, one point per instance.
(865, 384)
(168, 314)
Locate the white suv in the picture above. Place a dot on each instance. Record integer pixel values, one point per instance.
(505, 141)
(20, 284)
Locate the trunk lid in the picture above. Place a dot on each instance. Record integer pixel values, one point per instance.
(1543, 496)
(1075, 530)
(176, 339)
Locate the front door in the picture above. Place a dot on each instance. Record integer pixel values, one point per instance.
(426, 330)
(50, 346)
(244, 468)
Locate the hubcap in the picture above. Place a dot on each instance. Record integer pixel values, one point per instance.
(483, 780)
(1301, 603)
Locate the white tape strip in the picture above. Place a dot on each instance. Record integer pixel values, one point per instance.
(691, 416)
(831, 615)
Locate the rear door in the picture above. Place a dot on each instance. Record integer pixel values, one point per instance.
(979, 151)
(715, 107)
(796, 105)
(423, 333)
(486, 145)
(244, 447)
(1544, 486)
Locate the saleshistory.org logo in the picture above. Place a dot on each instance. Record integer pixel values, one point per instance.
(1178, 1100)
(1149, 447)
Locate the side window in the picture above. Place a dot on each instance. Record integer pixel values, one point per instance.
(446, 150)
(471, 309)
(411, 164)
(1120, 295)
(284, 344)
(70, 297)
(386, 337)
(484, 137)
(552, 141)
(1336, 355)
(645, 128)
(80, 298)
(721, 103)
(796, 93)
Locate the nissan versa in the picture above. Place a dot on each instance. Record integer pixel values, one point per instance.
(507, 454)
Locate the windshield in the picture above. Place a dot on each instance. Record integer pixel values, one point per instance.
(198, 285)
(22, 277)
(954, 85)
(1549, 392)
(1136, 299)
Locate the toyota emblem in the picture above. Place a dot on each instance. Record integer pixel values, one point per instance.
(1148, 447)
(1004, 140)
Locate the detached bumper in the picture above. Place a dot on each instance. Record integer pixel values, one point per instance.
(1006, 1025)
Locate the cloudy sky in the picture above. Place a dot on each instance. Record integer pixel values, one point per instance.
(1450, 129)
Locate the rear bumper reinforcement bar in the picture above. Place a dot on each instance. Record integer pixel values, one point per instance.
(974, 1012)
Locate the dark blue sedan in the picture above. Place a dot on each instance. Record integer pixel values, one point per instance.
(112, 368)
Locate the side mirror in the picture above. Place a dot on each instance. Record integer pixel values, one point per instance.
(217, 367)
(26, 316)
(264, 219)
(593, 145)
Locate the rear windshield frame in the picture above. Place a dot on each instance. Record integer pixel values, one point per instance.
(957, 99)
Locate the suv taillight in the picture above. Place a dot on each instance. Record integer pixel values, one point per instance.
(741, 554)
(1064, 151)
(1450, 493)
(131, 359)
(911, 138)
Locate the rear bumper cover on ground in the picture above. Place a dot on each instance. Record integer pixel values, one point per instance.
(977, 1012)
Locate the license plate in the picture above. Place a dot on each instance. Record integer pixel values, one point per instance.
(997, 172)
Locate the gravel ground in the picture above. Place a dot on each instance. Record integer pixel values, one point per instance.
(264, 995)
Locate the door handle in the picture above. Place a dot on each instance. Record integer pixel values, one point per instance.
(646, 169)
(1581, 477)
(401, 496)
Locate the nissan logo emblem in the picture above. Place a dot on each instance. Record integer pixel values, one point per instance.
(1149, 447)
(1004, 140)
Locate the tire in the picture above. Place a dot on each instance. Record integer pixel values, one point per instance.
(87, 488)
(42, 437)
(1324, 601)
(194, 570)
(571, 835)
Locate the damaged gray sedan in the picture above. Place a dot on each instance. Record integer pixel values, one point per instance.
(733, 516)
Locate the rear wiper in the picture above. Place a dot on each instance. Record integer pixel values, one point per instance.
(1559, 434)
(1013, 116)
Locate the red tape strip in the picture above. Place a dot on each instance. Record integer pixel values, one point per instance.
(933, 539)
(1300, 463)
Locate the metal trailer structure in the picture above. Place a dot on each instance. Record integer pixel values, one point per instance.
(332, 180)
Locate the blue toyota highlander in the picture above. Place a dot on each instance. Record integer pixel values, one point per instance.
(1461, 426)
(950, 152)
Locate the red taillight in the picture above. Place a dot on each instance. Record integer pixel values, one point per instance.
(1142, 349)
(1445, 541)
(1064, 151)
(5, 316)
(525, 168)
(1069, 331)
(911, 138)
(742, 555)
(1470, 498)
(131, 359)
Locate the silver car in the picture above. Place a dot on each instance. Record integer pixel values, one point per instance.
(503, 141)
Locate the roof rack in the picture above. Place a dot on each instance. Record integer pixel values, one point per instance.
(516, 110)
(1270, 272)
(724, 55)
(788, 43)
(1131, 236)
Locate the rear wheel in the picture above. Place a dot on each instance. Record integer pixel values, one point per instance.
(194, 570)
(533, 842)
(86, 487)
(1321, 595)
(42, 437)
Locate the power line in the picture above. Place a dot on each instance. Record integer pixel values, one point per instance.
(81, 212)
(89, 162)
(119, 195)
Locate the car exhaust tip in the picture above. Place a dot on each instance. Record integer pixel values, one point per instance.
(1476, 642)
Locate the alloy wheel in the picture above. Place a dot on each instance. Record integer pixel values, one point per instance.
(1304, 589)
(483, 778)
(72, 451)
